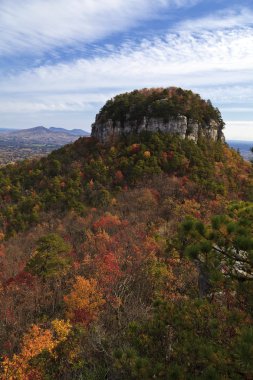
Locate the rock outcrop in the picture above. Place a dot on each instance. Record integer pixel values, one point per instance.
(113, 121)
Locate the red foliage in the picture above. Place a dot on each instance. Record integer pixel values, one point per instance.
(135, 148)
(22, 278)
(34, 374)
(108, 268)
(184, 180)
(83, 316)
(115, 253)
(109, 222)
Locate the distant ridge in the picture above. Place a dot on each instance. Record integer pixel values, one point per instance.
(33, 142)
(42, 129)
(35, 130)
(72, 132)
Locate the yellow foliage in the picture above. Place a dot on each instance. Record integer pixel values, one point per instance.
(113, 150)
(147, 154)
(62, 329)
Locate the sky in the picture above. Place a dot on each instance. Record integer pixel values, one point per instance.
(60, 60)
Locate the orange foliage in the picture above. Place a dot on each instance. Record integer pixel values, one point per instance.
(147, 154)
(84, 301)
(119, 176)
(107, 222)
(34, 342)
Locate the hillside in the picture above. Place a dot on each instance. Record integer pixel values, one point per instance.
(128, 260)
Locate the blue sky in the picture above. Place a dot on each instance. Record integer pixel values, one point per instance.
(60, 60)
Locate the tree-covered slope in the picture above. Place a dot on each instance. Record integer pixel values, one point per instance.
(87, 173)
(127, 261)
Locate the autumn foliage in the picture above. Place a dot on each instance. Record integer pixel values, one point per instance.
(84, 301)
(127, 262)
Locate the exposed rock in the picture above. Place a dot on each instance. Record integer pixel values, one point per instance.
(192, 130)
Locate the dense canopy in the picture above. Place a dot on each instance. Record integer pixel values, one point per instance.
(159, 102)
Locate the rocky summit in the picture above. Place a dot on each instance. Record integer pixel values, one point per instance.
(168, 110)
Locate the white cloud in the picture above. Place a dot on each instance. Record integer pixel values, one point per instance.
(31, 26)
(58, 102)
(232, 96)
(239, 130)
(237, 110)
(225, 19)
(223, 58)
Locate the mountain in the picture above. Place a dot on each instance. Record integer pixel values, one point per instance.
(36, 131)
(169, 110)
(129, 259)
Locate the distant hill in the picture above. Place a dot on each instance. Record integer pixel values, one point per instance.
(34, 142)
(29, 131)
(41, 134)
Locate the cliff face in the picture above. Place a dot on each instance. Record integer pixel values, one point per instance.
(109, 130)
(121, 116)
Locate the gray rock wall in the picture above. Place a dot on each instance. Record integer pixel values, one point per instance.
(180, 125)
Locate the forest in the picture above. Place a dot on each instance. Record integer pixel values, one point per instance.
(127, 261)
